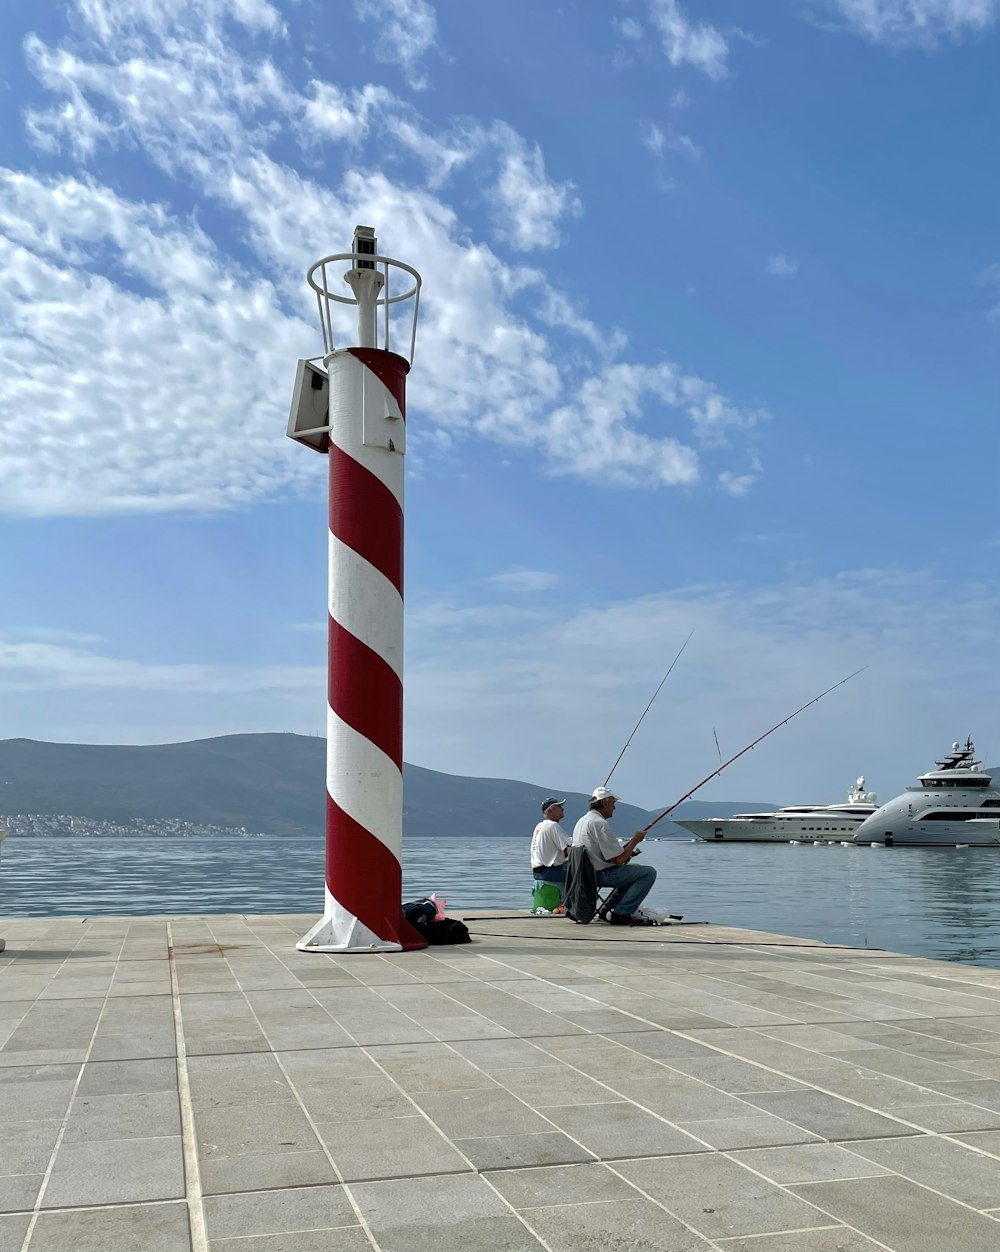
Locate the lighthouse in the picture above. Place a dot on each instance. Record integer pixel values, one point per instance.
(353, 411)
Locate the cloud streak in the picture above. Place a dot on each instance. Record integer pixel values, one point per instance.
(132, 330)
(900, 22)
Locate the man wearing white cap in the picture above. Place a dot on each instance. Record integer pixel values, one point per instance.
(550, 843)
(610, 859)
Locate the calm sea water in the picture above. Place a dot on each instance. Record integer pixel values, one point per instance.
(939, 902)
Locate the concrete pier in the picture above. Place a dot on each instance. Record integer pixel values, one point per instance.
(192, 1083)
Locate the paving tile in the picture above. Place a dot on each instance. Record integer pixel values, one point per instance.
(682, 1099)
(754, 1131)
(809, 1162)
(151, 1115)
(466, 1114)
(949, 1118)
(663, 1046)
(26, 1147)
(827, 1116)
(957, 1170)
(115, 1172)
(509, 1151)
(491, 1054)
(904, 1216)
(833, 1239)
(438, 1071)
(720, 1199)
(732, 1075)
(135, 1228)
(395, 1148)
(251, 1130)
(610, 1063)
(41, 1056)
(36, 1074)
(128, 1077)
(321, 1064)
(982, 1091)
(13, 1228)
(613, 1226)
(553, 1084)
(278, 1212)
(896, 1064)
(353, 1099)
(35, 1101)
(454, 1214)
(984, 1140)
(249, 1077)
(265, 1171)
(19, 1191)
(343, 1239)
(613, 1131)
(559, 1185)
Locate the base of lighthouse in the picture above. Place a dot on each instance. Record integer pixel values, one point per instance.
(340, 931)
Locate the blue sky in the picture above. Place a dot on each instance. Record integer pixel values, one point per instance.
(710, 340)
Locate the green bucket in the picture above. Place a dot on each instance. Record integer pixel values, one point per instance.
(546, 895)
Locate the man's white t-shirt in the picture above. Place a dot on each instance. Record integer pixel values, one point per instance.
(548, 844)
(594, 833)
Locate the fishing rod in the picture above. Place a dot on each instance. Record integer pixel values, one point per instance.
(743, 751)
(646, 709)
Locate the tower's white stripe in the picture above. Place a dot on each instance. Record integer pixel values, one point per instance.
(352, 386)
(365, 783)
(365, 602)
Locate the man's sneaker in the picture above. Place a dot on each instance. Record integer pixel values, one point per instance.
(620, 919)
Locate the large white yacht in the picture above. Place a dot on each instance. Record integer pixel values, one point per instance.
(798, 823)
(953, 805)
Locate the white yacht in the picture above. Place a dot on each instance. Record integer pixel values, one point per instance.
(950, 806)
(798, 823)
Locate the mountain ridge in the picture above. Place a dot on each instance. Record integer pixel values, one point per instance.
(273, 784)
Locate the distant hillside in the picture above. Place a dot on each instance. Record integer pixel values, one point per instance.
(273, 784)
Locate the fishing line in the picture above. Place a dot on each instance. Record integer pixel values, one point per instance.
(760, 739)
(647, 708)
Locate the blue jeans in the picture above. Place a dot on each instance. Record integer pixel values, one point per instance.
(632, 883)
(550, 873)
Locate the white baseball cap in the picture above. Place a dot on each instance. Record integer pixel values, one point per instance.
(602, 793)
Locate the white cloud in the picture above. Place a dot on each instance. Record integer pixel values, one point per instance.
(524, 580)
(990, 277)
(917, 21)
(407, 30)
(528, 205)
(139, 386)
(781, 266)
(134, 337)
(35, 666)
(653, 137)
(687, 43)
(658, 140)
(739, 484)
(629, 27)
(757, 654)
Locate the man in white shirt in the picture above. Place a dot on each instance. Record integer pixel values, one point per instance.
(610, 859)
(550, 843)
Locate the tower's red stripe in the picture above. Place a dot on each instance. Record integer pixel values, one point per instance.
(365, 692)
(365, 515)
(365, 878)
(389, 369)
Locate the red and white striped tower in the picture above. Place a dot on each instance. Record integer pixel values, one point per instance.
(363, 433)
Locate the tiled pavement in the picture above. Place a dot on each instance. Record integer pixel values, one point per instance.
(196, 1084)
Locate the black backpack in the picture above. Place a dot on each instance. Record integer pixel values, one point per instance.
(421, 914)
